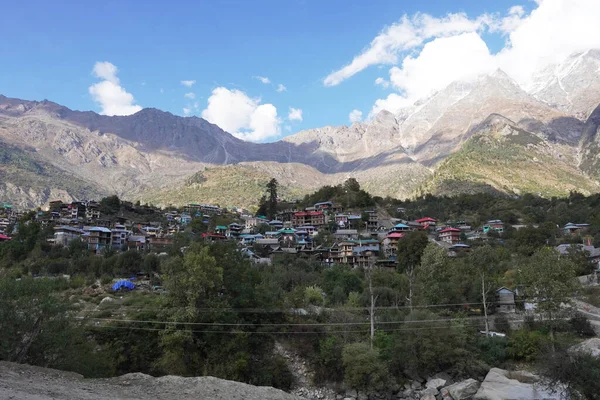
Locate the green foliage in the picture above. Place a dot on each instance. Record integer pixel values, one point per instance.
(363, 369)
(550, 279)
(579, 372)
(328, 360)
(526, 345)
(410, 250)
(348, 195)
(313, 296)
(38, 329)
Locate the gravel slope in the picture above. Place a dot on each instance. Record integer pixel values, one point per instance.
(24, 382)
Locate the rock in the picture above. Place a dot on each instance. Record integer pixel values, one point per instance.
(107, 300)
(463, 390)
(590, 346)
(498, 385)
(444, 376)
(430, 392)
(414, 385)
(524, 376)
(436, 383)
(428, 397)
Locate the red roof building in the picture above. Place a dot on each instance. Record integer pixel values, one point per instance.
(427, 222)
(450, 235)
(4, 238)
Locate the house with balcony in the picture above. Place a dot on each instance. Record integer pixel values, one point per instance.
(235, 229)
(303, 218)
(345, 234)
(449, 235)
(494, 225)
(427, 222)
(276, 224)
(390, 243)
(97, 238)
(63, 235)
(119, 235)
(373, 221)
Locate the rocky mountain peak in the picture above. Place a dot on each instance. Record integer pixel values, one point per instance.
(571, 86)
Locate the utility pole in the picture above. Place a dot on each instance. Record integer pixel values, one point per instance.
(484, 299)
(373, 298)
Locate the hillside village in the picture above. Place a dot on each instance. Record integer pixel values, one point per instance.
(324, 232)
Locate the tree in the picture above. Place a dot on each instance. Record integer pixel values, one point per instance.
(363, 369)
(576, 374)
(409, 253)
(272, 198)
(484, 261)
(549, 280)
(352, 185)
(431, 276)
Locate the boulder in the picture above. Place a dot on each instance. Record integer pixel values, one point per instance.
(428, 397)
(436, 383)
(462, 390)
(430, 391)
(590, 346)
(499, 385)
(107, 300)
(414, 385)
(444, 376)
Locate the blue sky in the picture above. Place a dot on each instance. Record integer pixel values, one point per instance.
(49, 51)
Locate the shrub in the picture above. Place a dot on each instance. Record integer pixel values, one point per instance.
(525, 345)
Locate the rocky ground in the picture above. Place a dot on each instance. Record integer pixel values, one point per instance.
(24, 382)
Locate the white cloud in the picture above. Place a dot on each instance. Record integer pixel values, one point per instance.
(407, 34)
(189, 83)
(190, 95)
(392, 103)
(428, 53)
(441, 62)
(551, 32)
(191, 109)
(382, 82)
(281, 88)
(355, 116)
(263, 79)
(295, 114)
(109, 94)
(242, 116)
(288, 128)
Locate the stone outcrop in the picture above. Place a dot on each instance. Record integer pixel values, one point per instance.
(461, 390)
(500, 384)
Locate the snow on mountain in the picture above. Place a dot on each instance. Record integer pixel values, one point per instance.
(572, 86)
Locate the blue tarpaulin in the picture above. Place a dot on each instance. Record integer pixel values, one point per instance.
(123, 284)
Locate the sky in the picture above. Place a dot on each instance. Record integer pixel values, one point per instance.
(262, 70)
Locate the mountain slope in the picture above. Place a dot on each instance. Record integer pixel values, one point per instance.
(31, 181)
(439, 139)
(572, 86)
(502, 157)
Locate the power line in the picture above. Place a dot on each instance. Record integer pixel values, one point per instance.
(135, 321)
(283, 332)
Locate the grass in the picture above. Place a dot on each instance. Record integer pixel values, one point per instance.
(227, 186)
(514, 164)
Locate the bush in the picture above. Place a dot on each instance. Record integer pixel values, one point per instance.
(313, 295)
(582, 326)
(525, 345)
(363, 370)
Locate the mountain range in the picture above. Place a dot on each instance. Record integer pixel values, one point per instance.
(486, 133)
